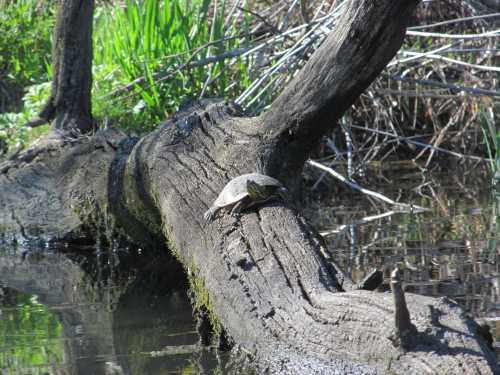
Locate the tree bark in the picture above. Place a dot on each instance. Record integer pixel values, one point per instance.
(263, 277)
(70, 101)
(357, 50)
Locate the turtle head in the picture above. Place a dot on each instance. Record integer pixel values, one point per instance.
(257, 192)
(282, 192)
(261, 193)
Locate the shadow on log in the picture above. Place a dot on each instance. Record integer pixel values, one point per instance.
(261, 277)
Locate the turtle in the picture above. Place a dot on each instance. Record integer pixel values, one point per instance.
(245, 191)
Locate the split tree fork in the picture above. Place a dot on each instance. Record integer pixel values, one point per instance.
(263, 278)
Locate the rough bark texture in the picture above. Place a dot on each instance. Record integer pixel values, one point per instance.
(263, 275)
(405, 330)
(266, 268)
(269, 285)
(70, 102)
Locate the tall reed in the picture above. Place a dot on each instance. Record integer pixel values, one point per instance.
(141, 43)
(491, 135)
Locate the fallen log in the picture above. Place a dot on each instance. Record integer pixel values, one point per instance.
(260, 277)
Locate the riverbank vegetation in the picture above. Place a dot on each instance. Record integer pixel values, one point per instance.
(266, 274)
(439, 95)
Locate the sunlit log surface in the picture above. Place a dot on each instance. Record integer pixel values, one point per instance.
(263, 278)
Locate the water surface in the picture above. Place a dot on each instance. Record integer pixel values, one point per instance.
(452, 250)
(81, 313)
(84, 310)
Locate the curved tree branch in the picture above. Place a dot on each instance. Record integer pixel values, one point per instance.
(366, 38)
(262, 277)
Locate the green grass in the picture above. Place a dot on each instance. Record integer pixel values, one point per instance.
(491, 137)
(133, 40)
(143, 39)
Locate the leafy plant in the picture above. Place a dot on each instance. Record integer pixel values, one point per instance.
(25, 46)
(142, 52)
(12, 125)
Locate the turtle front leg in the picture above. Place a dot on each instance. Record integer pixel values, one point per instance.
(237, 208)
(210, 214)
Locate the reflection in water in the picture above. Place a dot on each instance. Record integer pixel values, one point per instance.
(82, 311)
(71, 313)
(30, 334)
(451, 251)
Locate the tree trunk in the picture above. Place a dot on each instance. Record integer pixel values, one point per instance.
(263, 277)
(70, 101)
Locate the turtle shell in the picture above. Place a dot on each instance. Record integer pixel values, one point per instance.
(236, 189)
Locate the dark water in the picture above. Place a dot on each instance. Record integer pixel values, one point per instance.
(452, 250)
(78, 312)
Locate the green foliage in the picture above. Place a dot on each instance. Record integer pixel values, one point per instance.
(25, 42)
(150, 41)
(30, 336)
(12, 127)
(137, 41)
(491, 137)
(25, 48)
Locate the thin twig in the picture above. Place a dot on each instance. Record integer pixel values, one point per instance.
(456, 20)
(453, 88)
(403, 206)
(421, 144)
(489, 34)
(363, 220)
(398, 61)
(454, 61)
